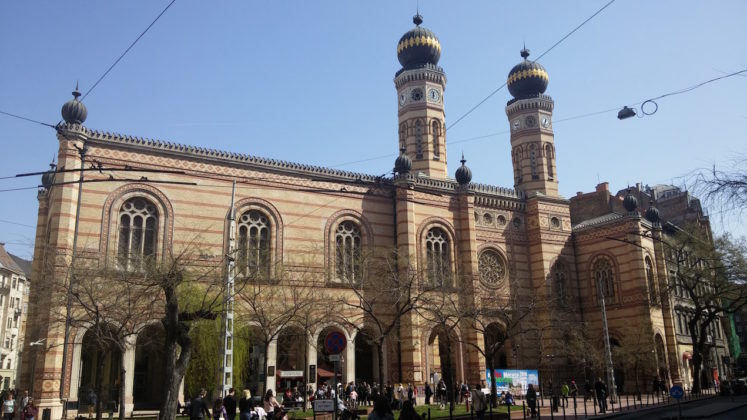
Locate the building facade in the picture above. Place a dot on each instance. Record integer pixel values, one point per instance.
(14, 289)
(485, 243)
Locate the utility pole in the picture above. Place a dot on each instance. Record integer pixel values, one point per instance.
(68, 307)
(607, 351)
(227, 363)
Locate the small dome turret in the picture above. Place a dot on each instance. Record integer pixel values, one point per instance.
(47, 179)
(463, 173)
(652, 214)
(73, 111)
(403, 163)
(418, 47)
(527, 79)
(630, 203)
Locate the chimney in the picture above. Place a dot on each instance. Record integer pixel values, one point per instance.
(603, 187)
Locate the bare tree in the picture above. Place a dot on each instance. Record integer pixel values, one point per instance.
(380, 298)
(113, 310)
(710, 281)
(725, 188)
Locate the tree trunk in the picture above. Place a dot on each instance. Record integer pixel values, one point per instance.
(100, 361)
(178, 350)
(380, 351)
(122, 385)
(697, 366)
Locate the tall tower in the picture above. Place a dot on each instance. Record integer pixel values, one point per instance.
(420, 94)
(532, 140)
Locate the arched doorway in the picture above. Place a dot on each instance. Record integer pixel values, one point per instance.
(291, 359)
(618, 363)
(150, 369)
(324, 367)
(366, 359)
(444, 358)
(496, 346)
(661, 358)
(253, 377)
(100, 369)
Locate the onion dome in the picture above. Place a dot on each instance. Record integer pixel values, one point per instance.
(74, 112)
(403, 163)
(418, 46)
(463, 173)
(527, 79)
(47, 178)
(652, 214)
(630, 202)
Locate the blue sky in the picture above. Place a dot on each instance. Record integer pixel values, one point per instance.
(312, 82)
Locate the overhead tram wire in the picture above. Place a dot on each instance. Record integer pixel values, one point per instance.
(127, 50)
(538, 58)
(27, 119)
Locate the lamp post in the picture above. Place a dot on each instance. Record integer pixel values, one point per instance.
(34, 346)
(608, 352)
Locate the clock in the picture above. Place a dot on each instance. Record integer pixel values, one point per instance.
(545, 122)
(434, 95)
(402, 98)
(530, 121)
(416, 94)
(516, 124)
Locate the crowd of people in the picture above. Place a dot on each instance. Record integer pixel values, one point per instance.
(18, 405)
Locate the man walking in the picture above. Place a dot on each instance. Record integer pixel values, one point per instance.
(230, 404)
(199, 409)
(478, 402)
(601, 390)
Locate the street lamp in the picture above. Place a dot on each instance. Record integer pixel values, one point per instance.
(34, 345)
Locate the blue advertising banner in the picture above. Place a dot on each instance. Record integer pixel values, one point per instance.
(515, 381)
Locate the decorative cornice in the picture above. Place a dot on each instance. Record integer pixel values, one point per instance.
(541, 101)
(134, 142)
(429, 73)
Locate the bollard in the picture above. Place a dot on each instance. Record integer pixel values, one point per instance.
(429, 413)
(523, 410)
(595, 406)
(586, 414)
(563, 410)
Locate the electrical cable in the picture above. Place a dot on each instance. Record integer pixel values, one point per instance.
(538, 58)
(127, 50)
(16, 223)
(26, 119)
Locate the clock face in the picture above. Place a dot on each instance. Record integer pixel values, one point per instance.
(402, 98)
(530, 121)
(516, 124)
(416, 94)
(434, 95)
(545, 122)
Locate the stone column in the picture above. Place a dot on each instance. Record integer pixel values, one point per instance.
(129, 365)
(311, 358)
(272, 355)
(350, 361)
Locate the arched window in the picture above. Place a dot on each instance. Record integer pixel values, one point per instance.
(492, 268)
(254, 245)
(348, 252)
(438, 259)
(533, 160)
(548, 156)
(402, 135)
(604, 278)
(418, 139)
(653, 295)
(560, 282)
(436, 132)
(138, 231)
(517, 165)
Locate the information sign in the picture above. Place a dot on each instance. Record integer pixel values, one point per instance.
(677, 392)
(324, 406)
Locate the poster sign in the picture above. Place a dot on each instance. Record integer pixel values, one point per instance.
(325, 406)
(513, 380)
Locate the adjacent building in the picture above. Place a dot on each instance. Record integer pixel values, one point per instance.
(14, 292)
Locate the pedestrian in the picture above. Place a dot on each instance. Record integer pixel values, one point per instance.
(574, 392)
(656, 386)
(442, 394)
(219, 410)
(601, 389)
(532, 401)
(29, 411)
(246, 405)
(381, 409)
(587, 392)
(199, 408)
(408, 412)
(479, 405)
(410, 394)
(428, 393)
(564, 391)
(270, 404)
(230, 404)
